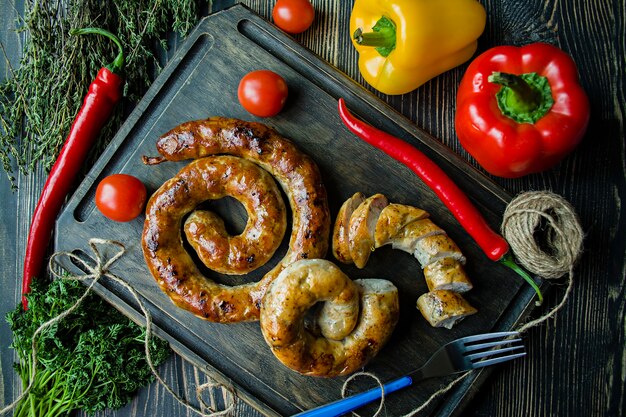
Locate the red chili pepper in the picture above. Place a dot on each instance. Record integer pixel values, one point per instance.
(492, 243)
(104, 92)
(521, 110)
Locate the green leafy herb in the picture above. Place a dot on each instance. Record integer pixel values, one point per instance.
(91, 360)
(39, 100)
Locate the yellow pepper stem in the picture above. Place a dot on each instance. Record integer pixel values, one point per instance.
(382, 37)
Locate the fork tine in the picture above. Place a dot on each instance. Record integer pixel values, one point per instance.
(487, 353)
(486, 336)
(480, 346)
(487, 362)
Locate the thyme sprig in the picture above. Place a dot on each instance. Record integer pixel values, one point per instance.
(39, 99)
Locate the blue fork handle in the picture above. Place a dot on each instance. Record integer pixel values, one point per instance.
(345, 405)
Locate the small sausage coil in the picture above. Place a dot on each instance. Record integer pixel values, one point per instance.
(167, 260)
(212, 178)
(355, 320)
(364, 224)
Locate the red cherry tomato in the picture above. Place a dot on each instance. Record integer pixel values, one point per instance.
(293, 16)
(121, 197)
(262, 93)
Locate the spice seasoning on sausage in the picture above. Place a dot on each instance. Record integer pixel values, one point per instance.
(370, 306)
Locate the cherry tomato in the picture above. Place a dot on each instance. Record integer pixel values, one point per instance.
(293, 16)
(262, 93)
(121, 197)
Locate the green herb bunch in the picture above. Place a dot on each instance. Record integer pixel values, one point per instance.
(91, 360)
(40, 98)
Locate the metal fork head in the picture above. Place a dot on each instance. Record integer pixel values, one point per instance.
(485, 349)
(471, 352)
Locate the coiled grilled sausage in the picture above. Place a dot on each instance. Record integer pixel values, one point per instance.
(305, 283)
(296, 173)
(212, 178)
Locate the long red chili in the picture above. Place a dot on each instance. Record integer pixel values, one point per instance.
(492, 243)
(104, 92)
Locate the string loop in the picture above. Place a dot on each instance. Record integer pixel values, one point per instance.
(533, 214)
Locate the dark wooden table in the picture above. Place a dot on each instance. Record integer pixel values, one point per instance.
(577, 361)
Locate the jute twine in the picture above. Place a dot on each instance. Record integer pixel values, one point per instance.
(101, 268)
(563, 233)
(529, 216)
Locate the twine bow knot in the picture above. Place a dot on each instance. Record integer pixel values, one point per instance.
(101, 265)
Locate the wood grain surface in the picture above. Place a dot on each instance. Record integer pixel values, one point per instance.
(577, 362)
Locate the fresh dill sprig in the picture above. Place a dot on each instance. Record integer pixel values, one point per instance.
(91, 360)
(40, 98)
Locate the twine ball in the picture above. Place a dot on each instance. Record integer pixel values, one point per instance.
(547, 214)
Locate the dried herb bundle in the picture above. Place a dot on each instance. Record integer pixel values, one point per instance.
(39, 100)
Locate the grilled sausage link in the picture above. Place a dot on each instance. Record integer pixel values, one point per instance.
(305, 283)
(296, 173)
(364, 224)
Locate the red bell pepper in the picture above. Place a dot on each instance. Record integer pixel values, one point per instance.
(521, 110)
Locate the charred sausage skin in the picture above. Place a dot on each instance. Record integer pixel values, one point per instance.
(296, 173)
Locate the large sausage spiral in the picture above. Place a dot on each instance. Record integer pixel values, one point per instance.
(296, 173)
(355, 321)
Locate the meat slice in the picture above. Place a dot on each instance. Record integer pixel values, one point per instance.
(444, 308)
(408, 237)
(436, 247)
(447, 274)
(340, 243)
(363, 227)
(393, 219)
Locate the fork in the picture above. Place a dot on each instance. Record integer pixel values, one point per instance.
(464, 354)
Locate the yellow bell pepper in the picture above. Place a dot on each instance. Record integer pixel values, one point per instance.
(404, 43)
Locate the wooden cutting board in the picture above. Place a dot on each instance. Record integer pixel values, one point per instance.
(201, 81)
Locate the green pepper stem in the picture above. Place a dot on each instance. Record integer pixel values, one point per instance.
(117, 66)
(382, 37)
(507, 260)
(386, 38)
(525, 98)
